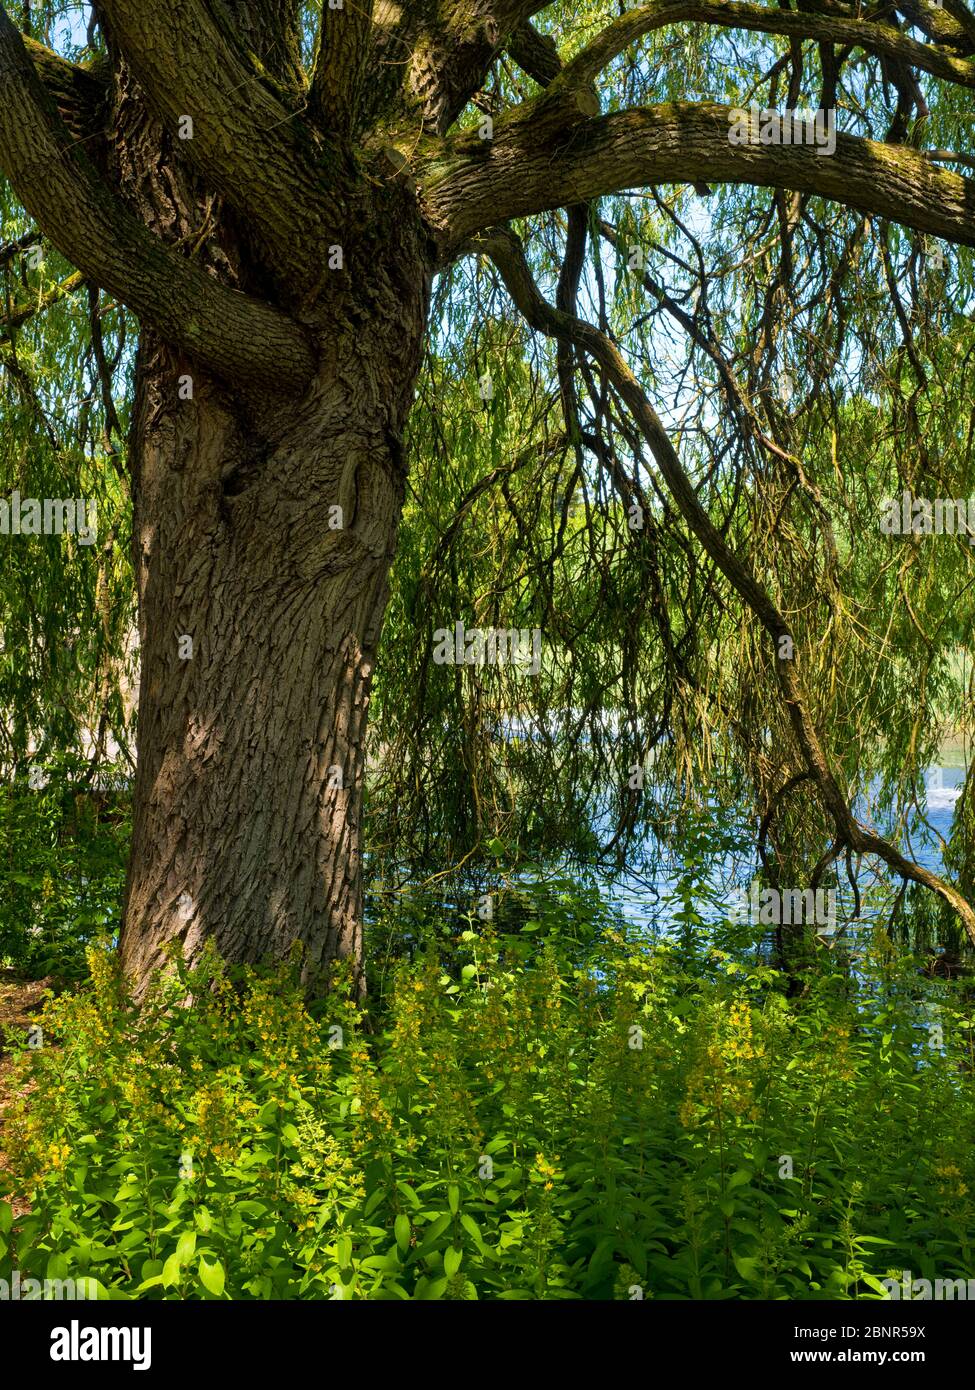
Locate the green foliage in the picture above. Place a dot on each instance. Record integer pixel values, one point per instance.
(67, 611)
(516, 1127)
(63, 849)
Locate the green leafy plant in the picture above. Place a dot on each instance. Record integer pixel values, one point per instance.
(506, 1129)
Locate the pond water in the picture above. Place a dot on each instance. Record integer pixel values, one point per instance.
(651, 905)
(655, 901)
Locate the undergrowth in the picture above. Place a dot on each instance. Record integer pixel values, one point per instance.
(511, 1128)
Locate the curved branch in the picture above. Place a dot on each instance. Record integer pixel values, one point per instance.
(546, 155)
(22, 313)
(239, 338)
(800, 24)
(505, 250)
(774, 802)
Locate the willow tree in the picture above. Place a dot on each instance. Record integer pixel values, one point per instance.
(274, 213)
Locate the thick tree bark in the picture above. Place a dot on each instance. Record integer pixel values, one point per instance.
(264, 530)
(259, 627)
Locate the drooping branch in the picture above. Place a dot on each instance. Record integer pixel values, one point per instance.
(506, 252)
(247, 136)
(112, 429)
(343, 46)
(22, 313)
(27, 392)
(237, 337)
(538, 55)
(546, 154)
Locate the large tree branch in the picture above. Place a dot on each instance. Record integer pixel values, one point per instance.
(545, 155)
(431, 56)
(237, 337)
(269, 29)
(535, 53)
(248, 139)
(343, 45)
(505, 250)
(940, 22)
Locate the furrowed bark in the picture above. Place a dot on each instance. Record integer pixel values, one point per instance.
(535, 53)
(343, 46)
(546, 155)
(248, 797)
(271, 30)
(430, 58)
(248, 136)
(78, 92)
(238, 337)
(505, 250)
(940, 23)
(264, 529)
(261, 609)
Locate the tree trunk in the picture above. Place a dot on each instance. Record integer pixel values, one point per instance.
(263, 534)
(262, 568)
